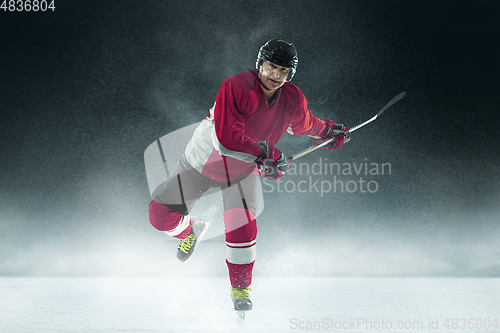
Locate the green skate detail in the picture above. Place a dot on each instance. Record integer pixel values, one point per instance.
(241, 294)
(241, 301)
(186, 244)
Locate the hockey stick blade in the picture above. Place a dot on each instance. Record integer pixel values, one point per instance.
(324, 143)
(391, 102)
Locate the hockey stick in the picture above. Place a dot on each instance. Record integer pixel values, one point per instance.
(324, 143)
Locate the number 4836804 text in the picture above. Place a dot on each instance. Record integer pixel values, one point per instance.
(28, 5)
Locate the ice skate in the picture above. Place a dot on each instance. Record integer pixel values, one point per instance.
(189, 244)
(241, 301)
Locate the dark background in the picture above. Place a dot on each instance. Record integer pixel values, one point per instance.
(86, 88)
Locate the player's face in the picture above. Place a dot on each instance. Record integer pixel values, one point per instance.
(272, 75)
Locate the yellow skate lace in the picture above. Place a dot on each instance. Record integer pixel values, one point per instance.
(241, 294)
(186, 243)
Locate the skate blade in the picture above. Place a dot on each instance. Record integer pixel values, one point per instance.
(201, 235)
(241, 314)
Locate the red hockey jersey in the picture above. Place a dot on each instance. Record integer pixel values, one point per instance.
(226, 143)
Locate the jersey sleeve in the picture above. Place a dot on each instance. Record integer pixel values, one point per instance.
(305, 123)
(229, 137)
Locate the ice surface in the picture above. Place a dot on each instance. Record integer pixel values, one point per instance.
(280, 304)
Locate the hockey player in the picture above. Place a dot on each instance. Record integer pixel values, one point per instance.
(231, 147)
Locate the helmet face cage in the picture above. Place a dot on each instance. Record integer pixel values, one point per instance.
(280, 53)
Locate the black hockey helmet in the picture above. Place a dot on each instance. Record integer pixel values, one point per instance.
(280, 53)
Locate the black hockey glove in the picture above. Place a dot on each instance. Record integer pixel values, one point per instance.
(273, 161)
(338, 131)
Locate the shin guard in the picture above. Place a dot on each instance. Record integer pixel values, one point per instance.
(241, 232)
